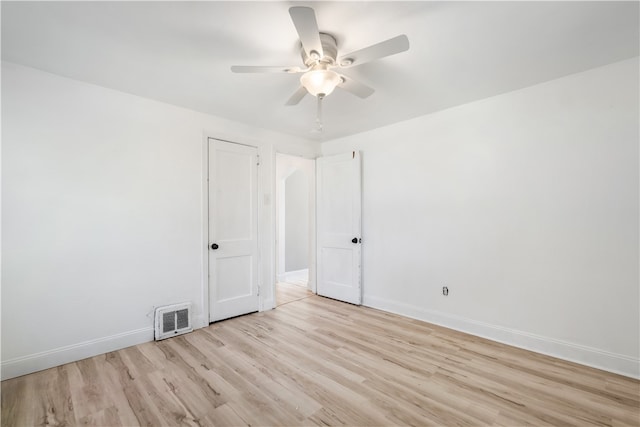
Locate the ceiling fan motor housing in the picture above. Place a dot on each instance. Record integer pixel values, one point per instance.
(330, 51)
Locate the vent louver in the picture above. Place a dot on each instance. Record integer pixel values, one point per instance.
(172, 320)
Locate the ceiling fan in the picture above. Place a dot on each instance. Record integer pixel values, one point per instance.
(320, 57)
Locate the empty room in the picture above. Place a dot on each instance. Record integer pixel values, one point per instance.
(279, 213)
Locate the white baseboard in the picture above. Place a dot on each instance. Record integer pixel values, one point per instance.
(593, 357)
(47, 359)
(268, 304)
(200, 321)
(294, 276)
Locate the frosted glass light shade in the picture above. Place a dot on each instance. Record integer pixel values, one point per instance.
(320, 82)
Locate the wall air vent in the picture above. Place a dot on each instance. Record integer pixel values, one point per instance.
(172, 320)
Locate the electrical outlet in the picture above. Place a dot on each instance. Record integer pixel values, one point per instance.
(445, 291)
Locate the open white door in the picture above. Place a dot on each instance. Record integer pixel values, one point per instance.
(233, 227)
(339, 227)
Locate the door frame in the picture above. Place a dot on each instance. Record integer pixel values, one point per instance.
(312, 286)
(204, 317)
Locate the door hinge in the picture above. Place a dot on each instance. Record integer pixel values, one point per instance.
(258, 156)
(258, 294)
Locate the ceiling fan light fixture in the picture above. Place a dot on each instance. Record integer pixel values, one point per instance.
(320, 82)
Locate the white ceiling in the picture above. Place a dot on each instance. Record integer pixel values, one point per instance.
(180, 52)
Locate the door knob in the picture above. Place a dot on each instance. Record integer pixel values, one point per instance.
(214, 246)
(354, 240)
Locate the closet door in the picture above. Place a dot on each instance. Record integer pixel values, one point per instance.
(233, 227)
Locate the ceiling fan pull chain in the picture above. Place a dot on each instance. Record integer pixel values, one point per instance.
(319, 115)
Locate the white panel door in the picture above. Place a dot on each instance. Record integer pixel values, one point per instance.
(233, 226)
(339, 227)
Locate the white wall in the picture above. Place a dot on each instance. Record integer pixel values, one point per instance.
(525, 205)
(103, 216)
(296, 191)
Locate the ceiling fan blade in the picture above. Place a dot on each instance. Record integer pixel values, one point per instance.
(304, 19)
(355, 87)
(379, 50)
(297, 96)
(260, 69)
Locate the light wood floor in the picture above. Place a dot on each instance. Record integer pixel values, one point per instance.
(316, 361)
(288, 292)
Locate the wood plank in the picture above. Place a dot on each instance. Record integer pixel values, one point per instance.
(288, 292)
